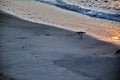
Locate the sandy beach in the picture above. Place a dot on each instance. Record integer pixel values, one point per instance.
(31, 51)
(38, 42)
(48, 14)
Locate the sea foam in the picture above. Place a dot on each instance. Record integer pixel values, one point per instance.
(92, 13)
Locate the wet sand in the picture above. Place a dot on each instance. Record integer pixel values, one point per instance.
(43, 13)
(32, 51)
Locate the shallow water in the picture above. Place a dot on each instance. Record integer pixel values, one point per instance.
(92, 13)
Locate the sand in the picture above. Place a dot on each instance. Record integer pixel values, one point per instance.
(42, 13)
(36, 51)
(31, 51)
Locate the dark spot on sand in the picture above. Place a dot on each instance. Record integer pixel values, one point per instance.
(8, 40)
(23, 47)
(32, 53)
(29, 14)
(117, 52)
(21, 37)
(47, 34)
(0, 45)
(106, 1)
(4, 5)
(36, 56)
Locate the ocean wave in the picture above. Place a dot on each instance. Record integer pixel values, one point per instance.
(92, 13)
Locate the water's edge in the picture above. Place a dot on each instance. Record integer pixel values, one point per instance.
(92, 13)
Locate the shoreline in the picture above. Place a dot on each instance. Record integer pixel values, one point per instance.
(62, 19)
(35, 51)
(88, 12)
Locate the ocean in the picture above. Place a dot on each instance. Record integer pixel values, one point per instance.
(92, 13)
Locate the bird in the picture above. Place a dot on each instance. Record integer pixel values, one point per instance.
(80, 33)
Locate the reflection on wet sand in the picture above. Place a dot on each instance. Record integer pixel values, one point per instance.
(116, 36)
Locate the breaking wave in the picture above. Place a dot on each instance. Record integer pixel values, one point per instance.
(92, 13)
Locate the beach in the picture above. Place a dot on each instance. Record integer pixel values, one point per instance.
(31, 51)
(109, 6)
(48, 14)
(38, 42)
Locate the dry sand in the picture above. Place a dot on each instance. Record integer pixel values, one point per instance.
(48, 14)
